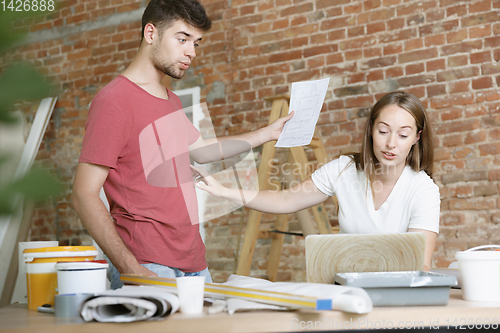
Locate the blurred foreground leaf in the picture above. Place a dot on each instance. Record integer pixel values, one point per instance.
(36, 185)
(20, 82)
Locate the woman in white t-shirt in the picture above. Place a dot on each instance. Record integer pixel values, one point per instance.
(387, 188)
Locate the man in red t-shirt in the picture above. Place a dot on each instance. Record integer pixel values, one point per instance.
(137, 144)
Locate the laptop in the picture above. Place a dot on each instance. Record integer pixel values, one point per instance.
(327, 255)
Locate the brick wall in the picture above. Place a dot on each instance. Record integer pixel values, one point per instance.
(446, 52)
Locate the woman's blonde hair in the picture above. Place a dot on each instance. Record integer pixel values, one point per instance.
(421, 155)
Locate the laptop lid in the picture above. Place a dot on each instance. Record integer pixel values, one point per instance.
(346, 253)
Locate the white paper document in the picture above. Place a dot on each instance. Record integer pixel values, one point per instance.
(306, 100)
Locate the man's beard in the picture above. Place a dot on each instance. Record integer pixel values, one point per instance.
(166, 69)
(170, 71)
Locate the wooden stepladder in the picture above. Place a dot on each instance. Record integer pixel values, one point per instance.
(297, 157)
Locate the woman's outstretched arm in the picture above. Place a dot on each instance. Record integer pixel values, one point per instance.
(294, 199)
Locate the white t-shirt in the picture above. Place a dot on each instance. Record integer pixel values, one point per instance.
(413, 203)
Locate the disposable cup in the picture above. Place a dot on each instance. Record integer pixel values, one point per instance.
(190, 290)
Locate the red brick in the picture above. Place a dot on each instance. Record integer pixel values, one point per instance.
(301, 30)
(459, 10)
(434, 40)
(464, 47)
(336, 23)
(376, 15)
(336, 34)
(451, 114)
(435, 65)
(393, 49)
(452, 100)
(472, 204)
(480, 32)
(300, 9)
(299, 42)
(413, 44)
(371, 4)
(490, 68)
(357, 43)
(459, 86)
(361, 101)
(353, 55)
(488, 96)
(453, 218)
(398, 35)
(461, 192)
(436, 15)
(437, 28)
(334, 58)
(452, 140)
(458, 61)
(280, 57)
(475, 137)
(280, 24)
(415, 69)
(490, 17)
(457, 36)
(353, 8)
(355, 78)
(313, 51)
(480, 6)
(418, 55)
(482, 83)
(394, 72)
(394, 24)
(247, 20)
(492, 42)
(316, 62)
(456, 74)
(375, 76)
(496, 29)
(480, 57)
(246, 10)
(372, 28)
(301, 20)
(435, 90)
(408, 81)
(379, 62)
(489, 149)
(330, 3)
(372, 52)
(496, 54)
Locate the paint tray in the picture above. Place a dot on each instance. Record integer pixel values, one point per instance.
(406, 288)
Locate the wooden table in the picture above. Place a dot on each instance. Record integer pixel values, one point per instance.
(457, 314)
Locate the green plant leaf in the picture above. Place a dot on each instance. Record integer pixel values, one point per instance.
(37, 185)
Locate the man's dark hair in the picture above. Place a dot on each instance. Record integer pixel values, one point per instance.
(163, 13)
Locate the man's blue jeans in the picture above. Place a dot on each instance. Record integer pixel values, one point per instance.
(161, 270)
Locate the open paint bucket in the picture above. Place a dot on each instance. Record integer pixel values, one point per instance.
(41, 274)
(81, 277)
(480, 273)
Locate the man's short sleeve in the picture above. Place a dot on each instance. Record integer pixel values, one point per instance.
(106, 133)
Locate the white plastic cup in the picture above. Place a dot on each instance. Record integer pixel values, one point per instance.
(480, 274)
(191, 290)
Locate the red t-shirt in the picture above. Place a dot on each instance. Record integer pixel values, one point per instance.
(145, 141)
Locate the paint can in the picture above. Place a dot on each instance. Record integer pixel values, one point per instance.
(41, 274)
(81, 277)
(480, 273)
